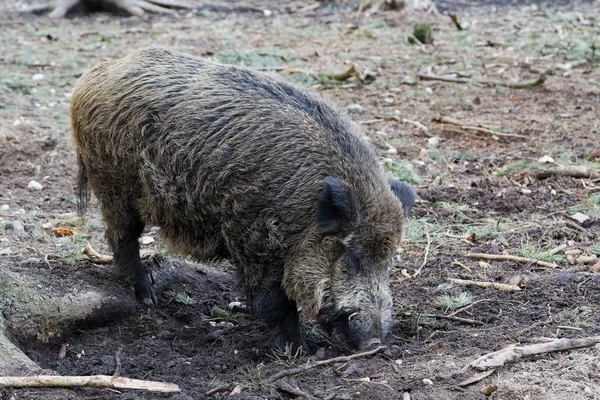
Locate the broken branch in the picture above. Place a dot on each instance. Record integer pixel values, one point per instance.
(305, 367)
(94, 256)
(105, 381)
(498, 286)
(510, 84)
(575, 171)
(506, 257)
(452, 121)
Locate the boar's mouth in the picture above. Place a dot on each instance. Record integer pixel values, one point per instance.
(358, 328)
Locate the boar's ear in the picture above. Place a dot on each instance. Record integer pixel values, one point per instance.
(336, 208)
(405, 194)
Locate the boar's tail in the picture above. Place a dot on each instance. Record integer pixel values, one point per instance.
(83, 188)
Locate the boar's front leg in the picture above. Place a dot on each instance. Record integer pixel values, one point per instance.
(282, 317)
(123, 229)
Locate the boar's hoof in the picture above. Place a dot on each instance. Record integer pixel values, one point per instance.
(143, 290)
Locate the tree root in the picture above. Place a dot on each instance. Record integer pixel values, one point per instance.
(487, 364)
(130, 7)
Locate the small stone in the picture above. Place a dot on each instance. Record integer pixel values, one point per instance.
(433, 142)
(427, 381)
(17, 226)
(526, 191)
(546, 159)
(108, 361)
(320, 354)
(6, 252)
(30, 261)
(267, 13)
(428, 90)
(145, 240)
(580, 217)
(353, 369)
(37, 77)
(595, 268)
(4, 207)
(355, 108)
(214, 335)
(391, 150)
(398, 362)
(17, 122)
(34, 185)
(234, 304)
(586, 259)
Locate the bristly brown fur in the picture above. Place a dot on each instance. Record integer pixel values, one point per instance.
(230, 163)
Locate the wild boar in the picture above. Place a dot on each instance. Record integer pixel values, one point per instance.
(239, 165)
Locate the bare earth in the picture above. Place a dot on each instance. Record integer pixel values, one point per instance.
(478, 193)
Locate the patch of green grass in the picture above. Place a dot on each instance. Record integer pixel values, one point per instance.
(402, 171)
(595, 249)
(534, 252)
(218, 312)
(286, 356)
(184, 298)
(253, 374)
(264, 57)
(415, 228)
(517, 166)
(447, 302)
(214, 383)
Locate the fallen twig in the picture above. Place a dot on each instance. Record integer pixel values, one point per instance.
(453, 318)
(557, 249)
(575, 171)
(418, 271)
(498, 286)
(306, 367)
(295, 391)
(507, 257)
(94, 256)
(467, 307)
(511, 84)
(105, 381)
(463, 126)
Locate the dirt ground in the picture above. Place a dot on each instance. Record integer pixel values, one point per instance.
(478, 193)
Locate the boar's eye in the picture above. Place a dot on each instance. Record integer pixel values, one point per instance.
(354, 260)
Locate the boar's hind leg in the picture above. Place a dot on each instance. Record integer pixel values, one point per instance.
(123, 230)
(282, 317)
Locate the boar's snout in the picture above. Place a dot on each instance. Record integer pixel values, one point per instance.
(368, 330)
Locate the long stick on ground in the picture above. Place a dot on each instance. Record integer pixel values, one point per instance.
(452, 121)
(576, 171)
(418, 271)
(511, 84)
(305, 367)
(506, 257)
(106, 381)
(496, 285)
